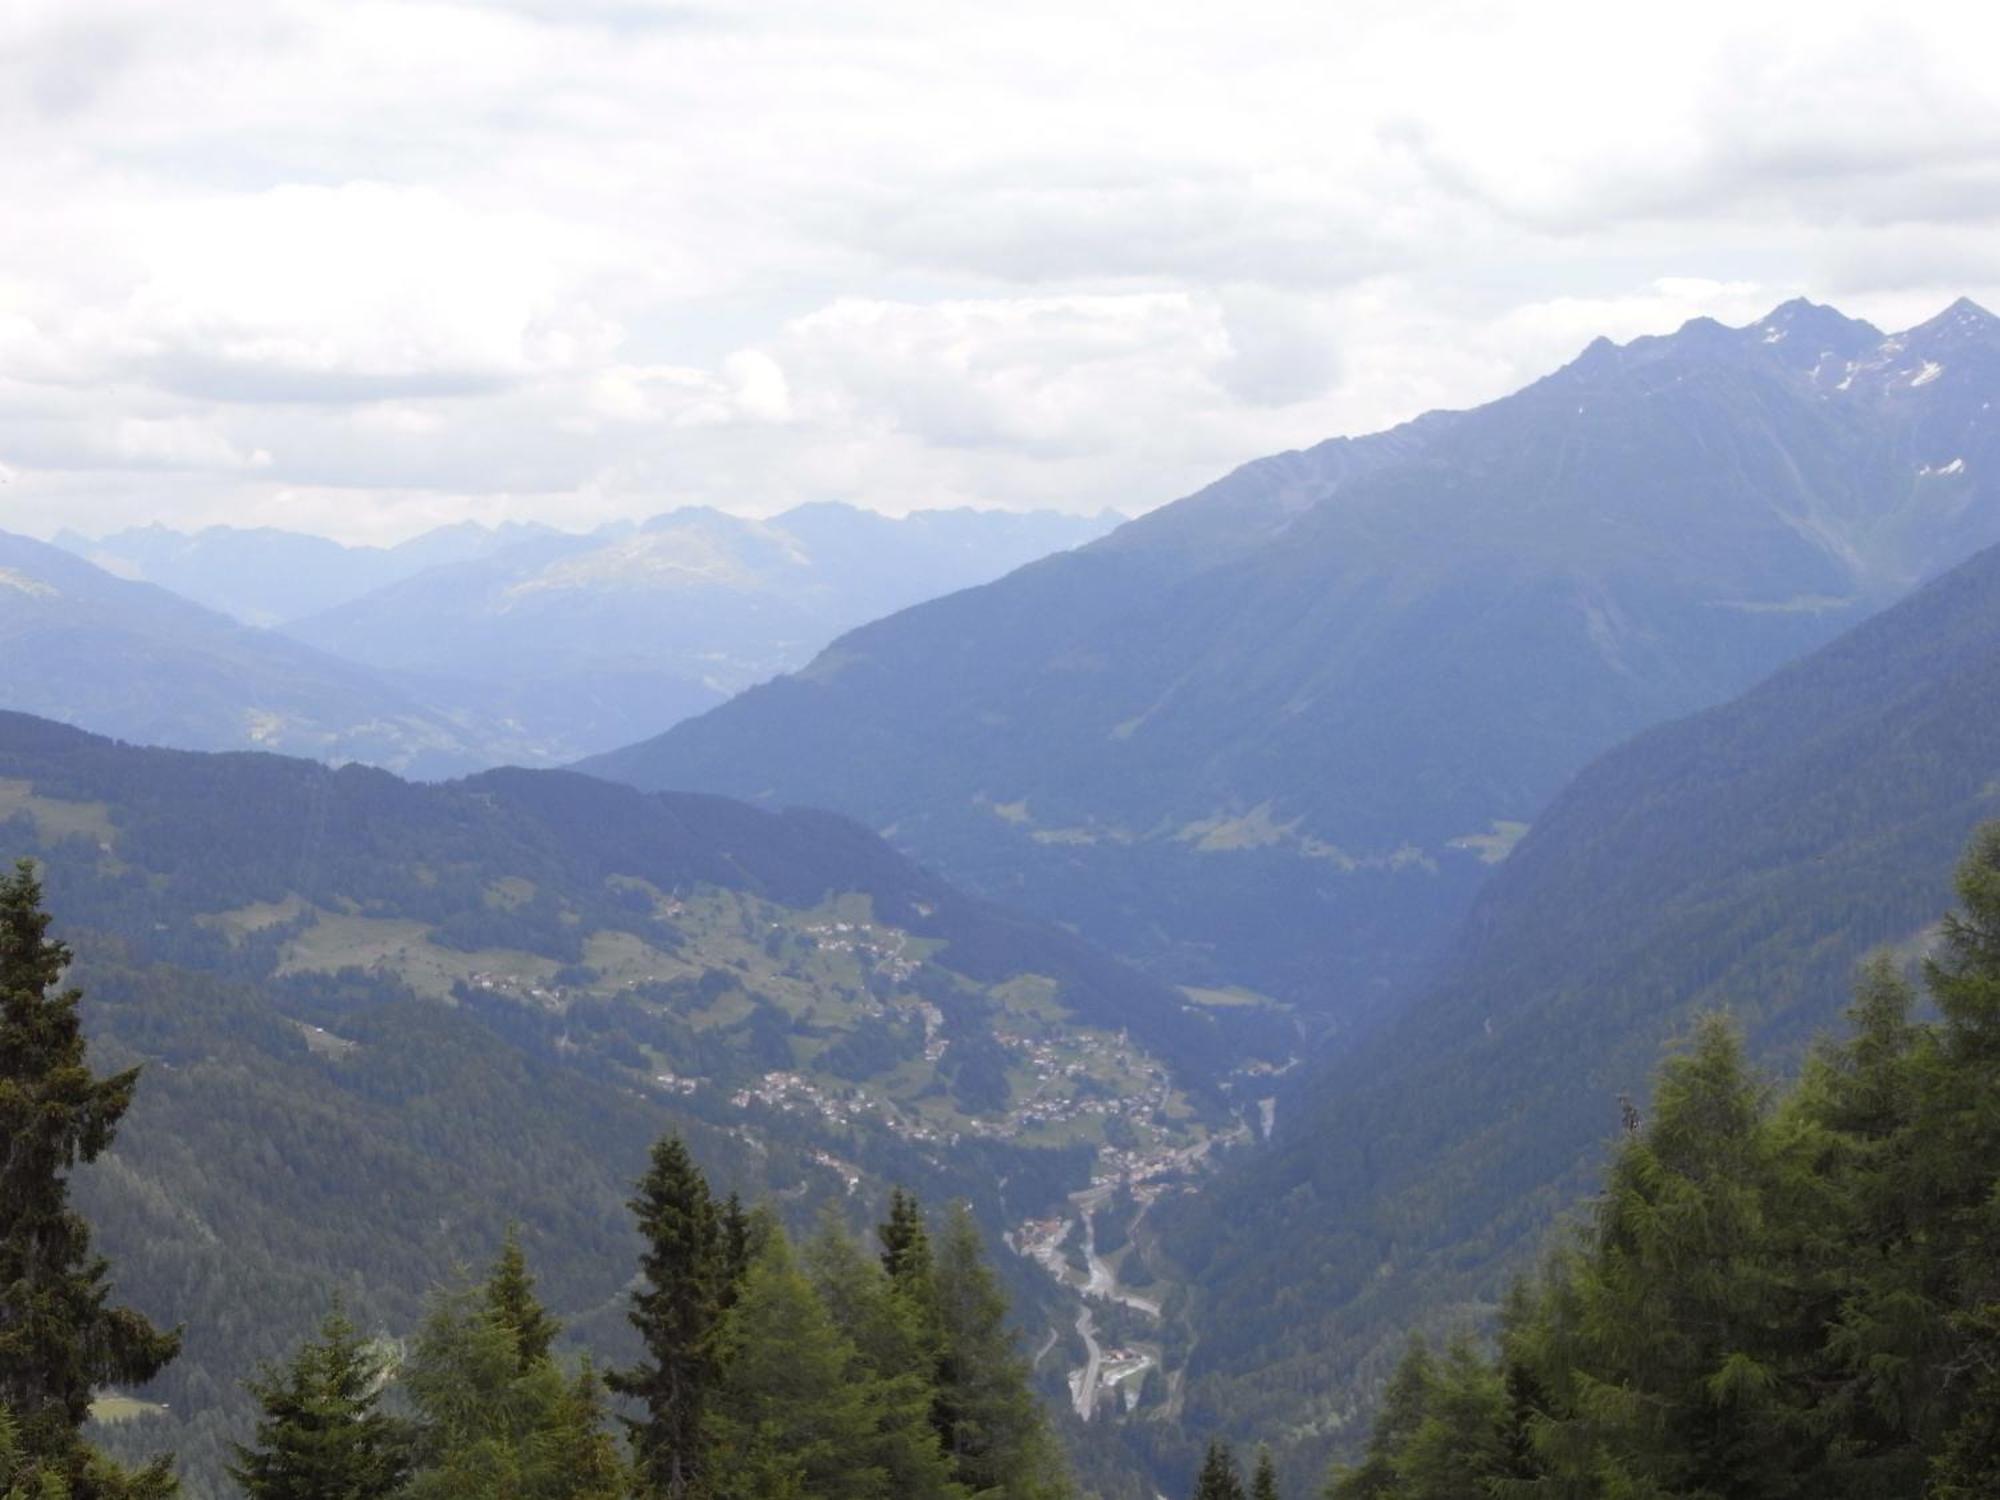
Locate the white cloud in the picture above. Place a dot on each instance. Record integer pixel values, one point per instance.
(368, 265)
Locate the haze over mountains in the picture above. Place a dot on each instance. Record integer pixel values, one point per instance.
(146, 665)
(1275, 733)
(467, 647)
(265, 576)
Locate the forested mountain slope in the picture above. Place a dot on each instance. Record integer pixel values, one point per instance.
(131, 659)
(381, 1018)
(1275, 733)
(1742, 859)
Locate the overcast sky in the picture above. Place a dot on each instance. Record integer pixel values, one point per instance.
(362, 268)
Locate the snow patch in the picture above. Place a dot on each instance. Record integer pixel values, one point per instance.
(1956, 466)
(1931, 370)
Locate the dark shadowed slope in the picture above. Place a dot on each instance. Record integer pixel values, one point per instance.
(1744, 858)
(1274, 733)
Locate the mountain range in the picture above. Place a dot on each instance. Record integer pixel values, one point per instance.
(1274, 736)
(580, 643)
(470, 646)
(263, 575)
(135, 661)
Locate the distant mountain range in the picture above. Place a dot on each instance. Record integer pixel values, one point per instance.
(580, 643)
(1276, 734)
(380, 1019)
(132, 660)
(473, 646)
(264, 575)
(1742, 859)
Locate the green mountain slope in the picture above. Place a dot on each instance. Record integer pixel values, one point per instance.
(1744, 859)
(1275, 733)
(381, 1018)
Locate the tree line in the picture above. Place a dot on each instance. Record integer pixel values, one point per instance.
(769, 1371)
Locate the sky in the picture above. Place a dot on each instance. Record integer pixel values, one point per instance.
(363, 268)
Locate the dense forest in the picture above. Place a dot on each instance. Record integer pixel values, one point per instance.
(764, 1371)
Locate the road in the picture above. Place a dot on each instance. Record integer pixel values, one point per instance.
(1084, 1382)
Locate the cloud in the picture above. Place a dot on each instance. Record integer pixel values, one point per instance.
(368, 265)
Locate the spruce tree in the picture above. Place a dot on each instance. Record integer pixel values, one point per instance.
(1404, 1403)
(1958, 1145)
(1459, 1447)
(510, 1296)
(487, 1426)
(59, 1341)
(322, 1434)
(999, 1439)
(906, 1245)
(897, 1362)
(795, 1407)
(1218, 1479)
(1264, 1486)
(737, 1236)
(678, 1312)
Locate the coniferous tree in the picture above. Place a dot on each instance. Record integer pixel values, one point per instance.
(911, 1270)
(906, 1245)
(59, 1341)
(1956, 1143)
(1404, 1402)
(1218, 1479)
(510, 1295)
(678, 1312)
(737, 1238)
(1678, 1332)
(1264, 1485)
(794, 1408)
(898, 1362)
(322, 1434)
(487, 1426)
(999, 1439)
(1459, 1446)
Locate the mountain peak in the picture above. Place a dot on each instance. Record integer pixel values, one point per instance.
(1803, 332)
(1964, 322)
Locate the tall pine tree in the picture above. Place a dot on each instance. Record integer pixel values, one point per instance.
(1264, 1486)
(897, 1358)
(489, 1426)
(322, 1434)
(999, 1440)
(795, 1410)
(510, 1296)
(59, 1341)
(1219, 1478)
(678, 1312)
